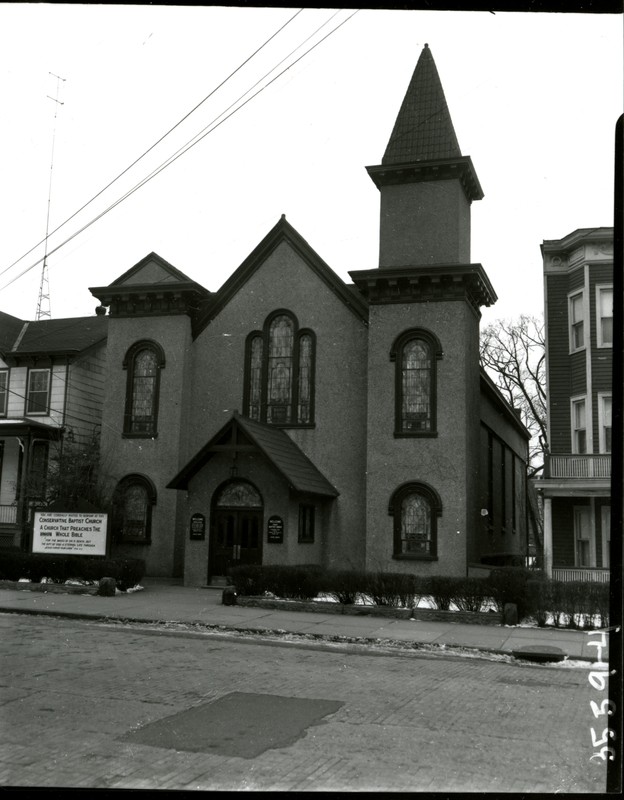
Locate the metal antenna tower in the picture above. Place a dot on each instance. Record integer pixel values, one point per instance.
(43, 303)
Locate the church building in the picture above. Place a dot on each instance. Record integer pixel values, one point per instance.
(291, 417)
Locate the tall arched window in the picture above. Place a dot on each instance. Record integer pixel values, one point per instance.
(132, 509)
(143, 361)
(279, 373)
(415, 508)
(280, 369)
(415, 354)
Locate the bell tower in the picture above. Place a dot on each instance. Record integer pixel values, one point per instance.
(424, 304)
(426, 185)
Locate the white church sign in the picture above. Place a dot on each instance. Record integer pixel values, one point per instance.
(69, 533)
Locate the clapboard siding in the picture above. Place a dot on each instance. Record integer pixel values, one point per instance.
(17, 392)
(559, 366)
(18, 382)
(575, 280)
(85, 391)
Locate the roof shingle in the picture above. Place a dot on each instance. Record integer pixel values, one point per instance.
(423, 130)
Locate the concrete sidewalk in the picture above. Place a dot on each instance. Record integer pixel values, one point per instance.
(165, 601)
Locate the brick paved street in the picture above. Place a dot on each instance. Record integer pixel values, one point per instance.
(72, 694)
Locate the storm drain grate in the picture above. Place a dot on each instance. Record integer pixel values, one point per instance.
(237, 724)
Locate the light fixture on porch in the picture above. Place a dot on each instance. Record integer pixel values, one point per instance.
(234, 467)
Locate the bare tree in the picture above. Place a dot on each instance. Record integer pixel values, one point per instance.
(513, 353)
(71, 475)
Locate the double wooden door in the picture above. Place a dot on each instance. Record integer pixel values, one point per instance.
(235, 539)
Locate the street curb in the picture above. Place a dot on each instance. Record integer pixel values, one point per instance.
(322, 640)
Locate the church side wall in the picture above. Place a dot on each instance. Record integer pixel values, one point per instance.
(157, 458)
(448, 463)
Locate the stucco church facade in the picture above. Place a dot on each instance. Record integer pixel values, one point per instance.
(291, 417)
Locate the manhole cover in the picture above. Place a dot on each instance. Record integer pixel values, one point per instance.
(539, 652)
(238, 724)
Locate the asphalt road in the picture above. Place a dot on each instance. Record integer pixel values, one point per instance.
(85, 704)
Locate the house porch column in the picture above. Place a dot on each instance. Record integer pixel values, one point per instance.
(548, 546)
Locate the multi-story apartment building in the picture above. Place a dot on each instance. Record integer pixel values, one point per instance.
(578, 297)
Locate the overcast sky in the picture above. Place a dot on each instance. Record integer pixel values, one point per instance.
(534, 99)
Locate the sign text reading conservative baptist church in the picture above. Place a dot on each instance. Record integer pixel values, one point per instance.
(70, 533)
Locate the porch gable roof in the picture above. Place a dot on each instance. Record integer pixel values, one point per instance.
(287, 458)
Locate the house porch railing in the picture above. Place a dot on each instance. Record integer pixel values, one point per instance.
(8, 515)
(580, 574)
(579, 466)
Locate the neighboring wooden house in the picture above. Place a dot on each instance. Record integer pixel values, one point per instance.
(51, 387)
(293, 418)
(576, 488)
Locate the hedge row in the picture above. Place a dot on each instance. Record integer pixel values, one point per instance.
(570, 604)
(574, 604)
(127, 572)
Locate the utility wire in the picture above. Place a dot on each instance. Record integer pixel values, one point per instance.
(164, 136)
(182, 151)
(51, 411)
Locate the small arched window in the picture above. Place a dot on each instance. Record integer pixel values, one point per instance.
(132, 509)
(415, 354)
(143, 362)
(279, 373)
(415, 508)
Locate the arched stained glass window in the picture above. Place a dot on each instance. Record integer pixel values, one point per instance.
(255, 378)
(143, 361)
(280, 369)
(132, 509)
(415, 525)
(304, 407)
(239, 494)
(415, 354)
(416, 384)
(279, 374)
(415, 508)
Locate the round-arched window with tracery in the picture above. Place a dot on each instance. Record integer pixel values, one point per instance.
(239, 494)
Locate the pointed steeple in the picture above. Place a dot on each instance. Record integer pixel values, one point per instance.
(423, 130)
(426, 184)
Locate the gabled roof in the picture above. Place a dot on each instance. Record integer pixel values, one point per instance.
(149, 270)
(281, 232)
(151, 275)
(240, 434)
(10, 328)
(423, 130)
(52, 336)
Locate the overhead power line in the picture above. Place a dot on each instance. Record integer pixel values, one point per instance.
(182, 151)
(149, 150)
(199, 137)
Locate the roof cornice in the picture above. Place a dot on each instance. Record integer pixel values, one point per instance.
(460, 168)
(579, 236)
(435, 282)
